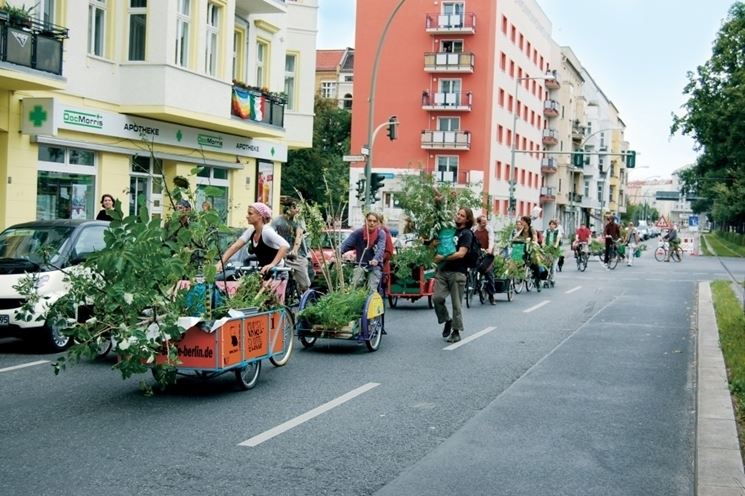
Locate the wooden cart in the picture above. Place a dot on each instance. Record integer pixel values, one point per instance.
(421, 284)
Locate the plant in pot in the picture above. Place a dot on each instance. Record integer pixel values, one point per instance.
(409, 261)
(19, 16)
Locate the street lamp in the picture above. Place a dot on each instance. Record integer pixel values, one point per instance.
(550, 76)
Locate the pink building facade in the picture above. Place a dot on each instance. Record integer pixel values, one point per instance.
(459, 75)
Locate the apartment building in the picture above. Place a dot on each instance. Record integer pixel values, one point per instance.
(118, 97)
(467, 80)
(335, 76)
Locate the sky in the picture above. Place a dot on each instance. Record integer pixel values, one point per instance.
(637, 51)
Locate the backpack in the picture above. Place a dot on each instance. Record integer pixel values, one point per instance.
(473, 257)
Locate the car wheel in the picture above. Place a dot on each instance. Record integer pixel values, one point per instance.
(53, 337)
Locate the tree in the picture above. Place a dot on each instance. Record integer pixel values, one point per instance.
(306, 169)
(712, 116)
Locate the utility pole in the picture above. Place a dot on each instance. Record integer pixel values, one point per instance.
(371, 108)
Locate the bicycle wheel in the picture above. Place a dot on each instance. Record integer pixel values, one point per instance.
(248, 375)
(529, 281)
(676, 255)
(517, 284)
(469, 288)
(660, 253)
(292, 298)
(287, 327)
(481, 288)
(613, 260)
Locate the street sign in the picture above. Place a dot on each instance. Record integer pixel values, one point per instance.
(386, 175)
(353, 158)
(662, 223)
(693, 222)
(667, 195)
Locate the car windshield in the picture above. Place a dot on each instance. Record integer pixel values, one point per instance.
(332, 239)
(38, 244)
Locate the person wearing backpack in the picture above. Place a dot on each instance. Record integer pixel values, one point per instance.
(450, 277)
(484, 236)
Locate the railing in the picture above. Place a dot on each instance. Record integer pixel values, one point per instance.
(447, 101)
(550, 108)
(31, 43)
(258, 106)
(446, 176)
(553, 83)
(447, 140)
(450, 23)
(550, 136)
(449, 62)
(548, 165)
(547, 194)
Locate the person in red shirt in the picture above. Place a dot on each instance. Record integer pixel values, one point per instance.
(611, 233)
(581, 235)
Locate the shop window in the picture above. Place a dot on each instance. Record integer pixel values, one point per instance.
(65, 187)
(146, 186)
(212, 190)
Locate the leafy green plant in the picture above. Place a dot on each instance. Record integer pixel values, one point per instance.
(336, 310)
(410, 257)
(19, 14)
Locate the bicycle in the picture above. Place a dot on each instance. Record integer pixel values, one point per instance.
(474, 284)
(614, 256)
(582, 256)
(661, 253)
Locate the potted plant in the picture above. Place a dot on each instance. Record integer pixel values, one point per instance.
(19, 16)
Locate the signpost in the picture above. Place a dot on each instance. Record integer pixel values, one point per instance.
(353, 158)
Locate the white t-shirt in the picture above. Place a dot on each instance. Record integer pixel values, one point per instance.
(268, 235)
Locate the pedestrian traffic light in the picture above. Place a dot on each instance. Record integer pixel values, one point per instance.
(376, 182)
(392, 130)
(361, 189)
(578, 159)
(513, 203)
(630, 159)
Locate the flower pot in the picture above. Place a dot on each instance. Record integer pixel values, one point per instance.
(446, 242)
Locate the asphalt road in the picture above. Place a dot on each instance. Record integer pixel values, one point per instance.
(586, 388)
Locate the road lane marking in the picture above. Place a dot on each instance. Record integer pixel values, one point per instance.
(292, 423)
(24, 365)
(467, 340)
(536, 307)
(573, 290)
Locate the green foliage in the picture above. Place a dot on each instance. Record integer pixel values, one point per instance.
(431, 205)
(19, 14)
(712, 117)
(332, 129)
(731, 324)
(252, 293)
(596, 247)
(336, 310)
(407, 258)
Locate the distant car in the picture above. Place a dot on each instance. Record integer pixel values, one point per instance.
(643, 233)
(67, 243)
(330, 240)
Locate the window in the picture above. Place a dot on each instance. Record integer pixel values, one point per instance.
(328, 89)
(587, 188)
(447, 169)
(212, 188)
(448, 123)
(262, 52)
(239, 40)
(65, 187)
(451, 46)
(348, 101)
(96, 27)
(45, 11)
(183, 21)
(450, 88)
(600, 192)
(212, 35)
(146, 186)
(137, 29)
(290, 68)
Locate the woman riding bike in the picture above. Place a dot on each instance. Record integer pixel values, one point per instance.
(368, 242)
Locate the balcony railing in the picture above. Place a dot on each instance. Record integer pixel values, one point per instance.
(31, 43)
(258, 106)
(449, 62)
(575, 197)
(464, 23)
(550, 108)
(547, 194)
(548, 165)
(550, 137)
(578, 131)
(446, 140)
(553, 83)
(460, 102)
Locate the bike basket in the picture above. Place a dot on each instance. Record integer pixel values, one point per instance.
(518, 252)
(621, 250)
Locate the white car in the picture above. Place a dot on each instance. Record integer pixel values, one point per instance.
(22, 247)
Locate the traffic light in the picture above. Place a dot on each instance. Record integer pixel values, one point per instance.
(376, 182)
(578, 159)
(513, 203)
(630, 159)
(361, 189)
(392, 129)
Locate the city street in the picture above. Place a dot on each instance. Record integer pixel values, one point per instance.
(585, 388)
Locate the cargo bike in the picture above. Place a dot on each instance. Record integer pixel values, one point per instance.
(421, 284)
(236, 344)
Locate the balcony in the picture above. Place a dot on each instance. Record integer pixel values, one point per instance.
(464, 23)
(550, 137)
(553, 83)
(551, 108)
(547, 195)
(446, 140)
(548, 165)
(261, 6)
(446, 176)
(578, 132)
(574, 197)
(452, 102)
(32, 44)
(256, 105)
(449, 62)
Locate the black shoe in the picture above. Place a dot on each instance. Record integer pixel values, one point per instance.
(447, 328)
(454, 337)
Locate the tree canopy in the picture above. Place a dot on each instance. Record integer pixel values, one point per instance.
(713, 117)
(306, 169)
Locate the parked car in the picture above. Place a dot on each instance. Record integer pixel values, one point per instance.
(331, 239)
(67, 243)
(643, 233)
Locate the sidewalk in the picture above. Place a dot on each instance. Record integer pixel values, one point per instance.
(719, 470)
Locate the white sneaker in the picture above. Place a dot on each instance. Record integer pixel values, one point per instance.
(628, 264)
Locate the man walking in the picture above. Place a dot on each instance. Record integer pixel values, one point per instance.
(485, 235)
(611, 232)
(292, 231)
(450, 278)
